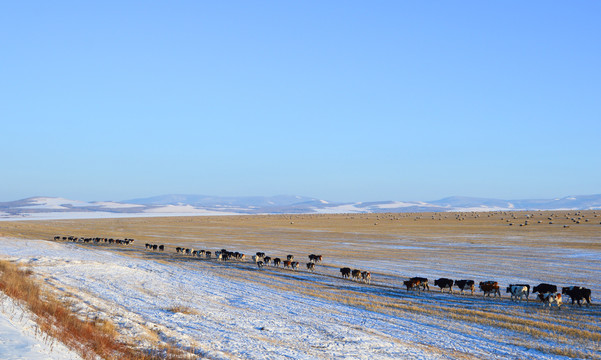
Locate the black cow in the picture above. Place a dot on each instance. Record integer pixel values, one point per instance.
(544, 288)
(578, 293)
(345, 272)
(465, 284)
(277, 262)
(162, 247)
(443, 283)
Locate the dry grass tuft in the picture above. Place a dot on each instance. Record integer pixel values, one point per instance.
(182, 310)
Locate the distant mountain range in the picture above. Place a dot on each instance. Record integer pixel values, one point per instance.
(171, 205)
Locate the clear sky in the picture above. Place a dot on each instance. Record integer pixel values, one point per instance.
(340, 100)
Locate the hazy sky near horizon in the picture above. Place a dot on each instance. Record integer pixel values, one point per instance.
(341, 100)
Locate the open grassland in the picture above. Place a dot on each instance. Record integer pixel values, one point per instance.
(479, 246)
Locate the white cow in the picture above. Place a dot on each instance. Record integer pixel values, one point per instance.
(519, 292)
(549, 299)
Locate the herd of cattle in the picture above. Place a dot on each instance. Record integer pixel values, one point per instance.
(548, 294)
(260, 259)
(95, 240)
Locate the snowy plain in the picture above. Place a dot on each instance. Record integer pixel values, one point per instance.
(233, 310)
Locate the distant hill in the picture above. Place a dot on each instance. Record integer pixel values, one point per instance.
(177, 204)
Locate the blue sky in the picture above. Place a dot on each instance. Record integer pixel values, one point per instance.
(341, 100)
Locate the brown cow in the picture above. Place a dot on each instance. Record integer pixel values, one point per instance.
(489, 287)
(412, 284)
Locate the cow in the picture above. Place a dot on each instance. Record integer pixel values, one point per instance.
(161, 247)
(549, 298)
(311, 266)
(518, 292)
(366, 276)
(443, 283)
(287, 264)
(260, 264)
(294, 265)
(260, 254)
(315, 258)
(266, 259)
(465, 284)
(356, 274)
(412, 284)
(155, 246)
(277, 262)
(345, 272)
(544, 288)
(423, 282)
(578, 293)
(290, 257)
(527, 293)
(208, 254)
(488, 287)
(57, 237)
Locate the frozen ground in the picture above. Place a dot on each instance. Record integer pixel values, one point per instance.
(233, 310)
(20, 338)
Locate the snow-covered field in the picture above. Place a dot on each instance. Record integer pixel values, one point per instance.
(234, 310)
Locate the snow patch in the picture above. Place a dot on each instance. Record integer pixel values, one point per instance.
(21, 339)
